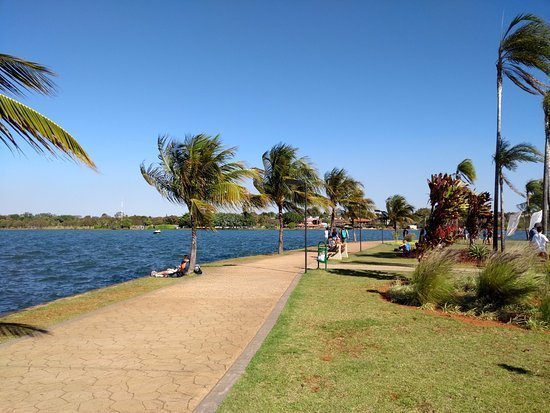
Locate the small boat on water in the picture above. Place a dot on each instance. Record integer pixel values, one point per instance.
(157, 231)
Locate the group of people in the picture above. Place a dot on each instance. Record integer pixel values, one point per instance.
(335, 237)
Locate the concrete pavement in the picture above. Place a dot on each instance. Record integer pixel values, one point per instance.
(160, 352)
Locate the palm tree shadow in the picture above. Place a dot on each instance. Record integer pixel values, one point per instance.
(377, 275)
(20, 330)
(381, 264)
(514, 369)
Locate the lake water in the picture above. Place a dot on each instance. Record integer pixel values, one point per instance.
(41, 266)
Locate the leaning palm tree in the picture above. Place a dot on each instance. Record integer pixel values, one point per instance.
(524, 45)
(546, 176)
(283, 181)
(466, 172)
(340, 189)
(42, 134)
(399, 211)
(198, 173)
(358, 207)
(508, 157)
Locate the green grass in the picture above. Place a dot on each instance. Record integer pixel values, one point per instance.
(46, 315)
(338, 347)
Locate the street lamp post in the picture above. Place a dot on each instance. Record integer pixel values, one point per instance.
(383, 216)
(300, 182)
(360, 235)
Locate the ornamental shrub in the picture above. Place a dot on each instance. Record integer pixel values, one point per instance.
(431, 280)
(507, 279)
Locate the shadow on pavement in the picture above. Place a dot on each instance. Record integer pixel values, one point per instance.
(20, 330)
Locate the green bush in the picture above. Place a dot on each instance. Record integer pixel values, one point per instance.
(478, 252)
(403, 294)
(431, 280)
(507, 279)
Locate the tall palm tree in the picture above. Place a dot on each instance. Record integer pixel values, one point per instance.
(277, 182)
(358, 207)
(465, 171)
(546, 176)
(399, 211)
(42, 134)
(508, 157)
(340, 189)
(524, 45)
(198, 173)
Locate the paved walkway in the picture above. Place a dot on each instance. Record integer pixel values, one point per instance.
(160, 352)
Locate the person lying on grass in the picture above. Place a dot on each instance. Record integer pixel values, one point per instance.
(174, 272)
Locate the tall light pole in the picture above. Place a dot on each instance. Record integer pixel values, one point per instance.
(383, 216)
(300, 182)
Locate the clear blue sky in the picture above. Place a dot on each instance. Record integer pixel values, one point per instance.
(393, 91)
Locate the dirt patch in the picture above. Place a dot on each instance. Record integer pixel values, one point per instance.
(474, 321)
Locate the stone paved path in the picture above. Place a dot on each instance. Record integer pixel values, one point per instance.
(160, 352)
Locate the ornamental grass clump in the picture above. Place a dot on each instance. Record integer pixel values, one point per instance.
(431, 281)
(507, 279)
(478, 253)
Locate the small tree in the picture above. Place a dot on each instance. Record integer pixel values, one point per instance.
(448, 199)
(399, 211)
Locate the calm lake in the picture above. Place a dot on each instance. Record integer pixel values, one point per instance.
(41, 266)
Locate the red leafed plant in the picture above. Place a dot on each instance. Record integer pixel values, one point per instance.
(449, 199)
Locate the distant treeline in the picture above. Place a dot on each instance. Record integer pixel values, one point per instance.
(120, 221)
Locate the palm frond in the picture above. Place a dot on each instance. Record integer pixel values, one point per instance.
(465, 170)
(511, 186)
(18, 75)
(41, 133)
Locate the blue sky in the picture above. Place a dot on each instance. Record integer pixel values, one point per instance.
(391, 91)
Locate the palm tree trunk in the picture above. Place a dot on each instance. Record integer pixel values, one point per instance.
(193, 253)
(280, 229)
(546, 183)
(395, 230)
(332, 218)
(501, 215)
(497, 166)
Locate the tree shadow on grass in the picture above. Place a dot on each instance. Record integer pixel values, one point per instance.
(394, 264)
(377, 275)
(514, 369)
(20, 330)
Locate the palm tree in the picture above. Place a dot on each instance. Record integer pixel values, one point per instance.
(277, 182)
(524, 45)
(42, 134)
(533, 200)
(399, 211)
(508, 157)
(466, 172)
(357, 207)
(546, 176)
(340, 189)
(198, 173)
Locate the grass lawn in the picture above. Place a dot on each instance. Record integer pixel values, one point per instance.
(338, 347)
(382, 254)
(46, 315)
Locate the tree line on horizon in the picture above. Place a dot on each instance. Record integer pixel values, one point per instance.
(200, 174)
